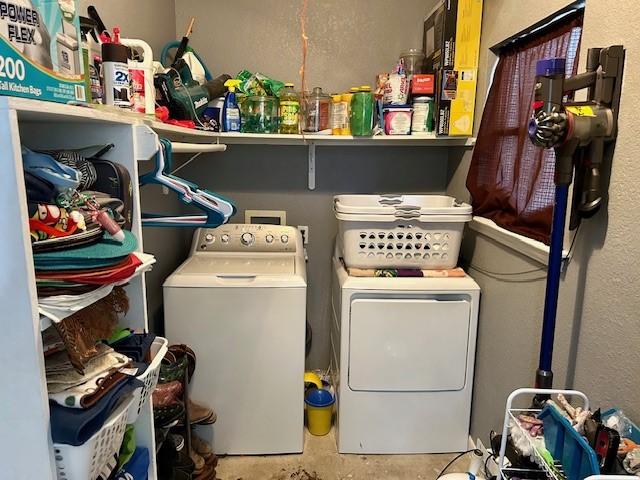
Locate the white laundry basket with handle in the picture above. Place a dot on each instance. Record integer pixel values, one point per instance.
(141, 396)
(84, 462)
(400, 231)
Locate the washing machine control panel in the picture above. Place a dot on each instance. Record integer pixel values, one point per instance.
(246, 237)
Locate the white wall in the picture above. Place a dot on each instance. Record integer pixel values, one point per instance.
(596, 348)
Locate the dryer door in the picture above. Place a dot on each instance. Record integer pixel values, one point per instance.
(405, 344)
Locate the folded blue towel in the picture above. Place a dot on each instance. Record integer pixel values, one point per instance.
(74, 426)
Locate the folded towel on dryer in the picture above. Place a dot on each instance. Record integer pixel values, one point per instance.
(405, 272)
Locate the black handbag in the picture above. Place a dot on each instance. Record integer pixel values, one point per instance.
(114, 180)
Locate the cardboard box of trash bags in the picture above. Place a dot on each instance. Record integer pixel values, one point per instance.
(40, 50)
(452, 43)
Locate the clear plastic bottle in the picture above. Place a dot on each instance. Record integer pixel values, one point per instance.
(289, 110)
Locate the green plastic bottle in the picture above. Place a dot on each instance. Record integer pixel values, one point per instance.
(362, 112)
(289, 110)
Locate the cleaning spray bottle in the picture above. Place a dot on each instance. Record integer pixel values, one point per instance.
(230, 110)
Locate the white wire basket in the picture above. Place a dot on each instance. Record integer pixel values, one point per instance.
(507, 472)
(400, 231)
(84, 462)
(149, 378)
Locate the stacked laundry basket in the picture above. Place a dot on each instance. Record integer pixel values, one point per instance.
(400, 231)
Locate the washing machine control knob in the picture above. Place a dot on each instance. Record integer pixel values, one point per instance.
(224, 238)
(247, 238)
(269, 238)
(284, 238)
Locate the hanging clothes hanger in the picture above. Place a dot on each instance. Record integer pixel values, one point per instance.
(217, 209)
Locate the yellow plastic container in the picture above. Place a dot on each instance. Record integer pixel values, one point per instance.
(319, 411)
(319, 420)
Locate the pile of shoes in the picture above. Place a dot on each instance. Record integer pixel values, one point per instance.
(175, 415)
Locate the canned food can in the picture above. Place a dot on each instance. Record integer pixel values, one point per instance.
(422, 121)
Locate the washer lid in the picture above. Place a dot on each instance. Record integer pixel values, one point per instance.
(238, 271)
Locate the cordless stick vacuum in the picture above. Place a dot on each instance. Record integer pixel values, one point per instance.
(579, 133)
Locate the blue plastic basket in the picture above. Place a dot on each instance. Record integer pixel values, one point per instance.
(578, 459)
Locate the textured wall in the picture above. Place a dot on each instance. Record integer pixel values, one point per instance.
(150, 20)
(596, 348)
(349, 42)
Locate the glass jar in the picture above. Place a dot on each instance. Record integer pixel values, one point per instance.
(259, 114)
(317, 111)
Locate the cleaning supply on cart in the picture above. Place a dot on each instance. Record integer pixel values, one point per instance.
(141, 74)
(230, 110)
(289, 110)
(117, 88)
(361, 120)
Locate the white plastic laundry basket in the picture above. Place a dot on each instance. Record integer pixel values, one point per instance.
(85, 461)
(400, 231)
(149, 378)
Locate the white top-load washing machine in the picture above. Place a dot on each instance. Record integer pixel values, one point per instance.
(403, 352)
(239, 301)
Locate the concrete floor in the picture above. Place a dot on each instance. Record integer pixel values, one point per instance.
(321, 461)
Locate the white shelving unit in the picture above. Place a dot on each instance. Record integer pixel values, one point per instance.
(25, 441)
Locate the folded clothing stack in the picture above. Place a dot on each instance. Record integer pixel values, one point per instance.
(81, 402)
(107, 261)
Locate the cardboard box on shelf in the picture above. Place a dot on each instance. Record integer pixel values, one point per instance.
(41, 51)
(433, 36)
(457, 65)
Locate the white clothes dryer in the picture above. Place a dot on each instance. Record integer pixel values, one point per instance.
(403, 352)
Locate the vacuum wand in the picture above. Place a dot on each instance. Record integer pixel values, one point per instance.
(568, 127)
